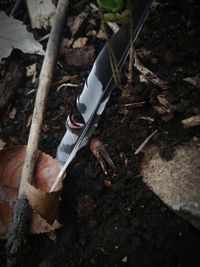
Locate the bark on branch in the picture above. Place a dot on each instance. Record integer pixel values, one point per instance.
(20, 217)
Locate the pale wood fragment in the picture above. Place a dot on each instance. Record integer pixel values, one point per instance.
(41, 13)
(191, 122)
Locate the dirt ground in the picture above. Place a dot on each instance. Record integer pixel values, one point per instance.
(124, 224)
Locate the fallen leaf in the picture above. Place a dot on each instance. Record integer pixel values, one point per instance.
(11, 163)
(80, 42)
(13, 34)
(175, 182)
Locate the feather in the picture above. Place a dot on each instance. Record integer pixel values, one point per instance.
(96, 92)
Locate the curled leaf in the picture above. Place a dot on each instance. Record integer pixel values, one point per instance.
(11, 163)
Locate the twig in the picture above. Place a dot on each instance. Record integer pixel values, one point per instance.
(15, 8)
(18, 234)
(113, 60)
(191, 122)
(44, 38)
(149, 75)
(65, 85)
(132, 54)
(144, 143)
(136, 104)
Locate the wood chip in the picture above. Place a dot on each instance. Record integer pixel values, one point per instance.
(191, 122)
(80, 42)
(77, 23)
(101, 35)
(41, 13)
(149, 75)
(195, 81)
(165, 109)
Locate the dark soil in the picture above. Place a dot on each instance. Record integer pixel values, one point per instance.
(125, 224)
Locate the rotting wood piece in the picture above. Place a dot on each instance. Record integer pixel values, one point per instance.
(9, 84)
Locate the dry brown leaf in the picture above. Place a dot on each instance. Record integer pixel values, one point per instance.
(13, 34)
(11, 163)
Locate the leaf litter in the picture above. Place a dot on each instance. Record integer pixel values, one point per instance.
(13, 34)
(11, 162)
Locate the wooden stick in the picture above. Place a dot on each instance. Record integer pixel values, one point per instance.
(149, 75)
(113, 60)
(17, 236)
(15, 7)
(132, 53)
(144, 143)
